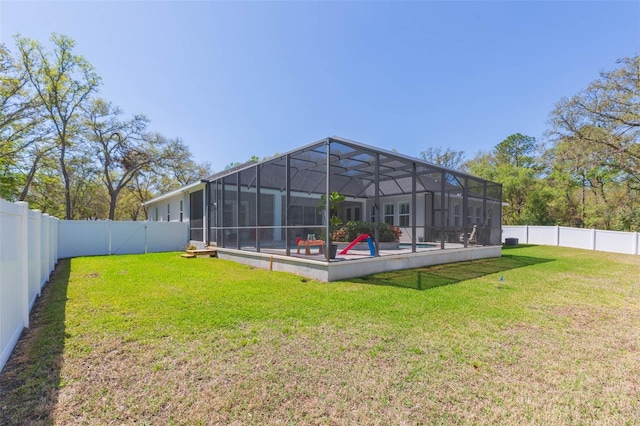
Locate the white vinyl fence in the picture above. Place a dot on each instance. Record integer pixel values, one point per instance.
(28, 254)
(104, 237)
(31, 244)
(589, 239)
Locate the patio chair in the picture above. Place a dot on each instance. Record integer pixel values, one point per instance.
(471, 238)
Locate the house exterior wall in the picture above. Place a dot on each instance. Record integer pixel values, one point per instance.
(168, 210)
(176, 207)
(400, 217)
(428, 224)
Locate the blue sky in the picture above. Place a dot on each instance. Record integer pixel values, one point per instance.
(236, 79)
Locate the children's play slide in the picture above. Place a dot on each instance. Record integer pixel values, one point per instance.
(357, 240)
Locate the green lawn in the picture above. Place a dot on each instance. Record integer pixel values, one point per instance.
(543, 335)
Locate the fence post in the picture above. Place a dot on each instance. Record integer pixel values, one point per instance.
(526, 234)
(53, 242)
(36, 250)
(593, 238)
(23, 255)
(558, 235)
(635, 243)
(44, 251)
(56, 233)
(108, 228)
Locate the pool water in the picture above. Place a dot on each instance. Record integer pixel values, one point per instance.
(418, 245)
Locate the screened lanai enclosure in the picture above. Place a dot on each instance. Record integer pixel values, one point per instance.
(336, 190)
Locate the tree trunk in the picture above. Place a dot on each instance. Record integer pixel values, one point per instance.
(67, 187)
(27, 184)
(113, 197)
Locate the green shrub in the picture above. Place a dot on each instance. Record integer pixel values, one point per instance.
(351, 230)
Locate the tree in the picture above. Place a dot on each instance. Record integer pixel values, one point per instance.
(171, 170)
(141, 188)
(563, 181)
(19, 114)
(445, 157)
(512, 163)
(63, 83)
(606, 115)
(58, 142)
(87, 195)
(119, 146)
(181, 169)
(517, 150)
(129, 206)
(588, 177)
(596, 136)
(37, 154)
(21, 126)
(47, 189)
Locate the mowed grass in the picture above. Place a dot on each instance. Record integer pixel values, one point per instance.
(543, 335)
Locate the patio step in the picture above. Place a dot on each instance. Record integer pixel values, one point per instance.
(208, 252)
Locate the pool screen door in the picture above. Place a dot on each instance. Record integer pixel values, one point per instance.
(196, 231)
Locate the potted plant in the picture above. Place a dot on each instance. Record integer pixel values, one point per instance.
(334, 221)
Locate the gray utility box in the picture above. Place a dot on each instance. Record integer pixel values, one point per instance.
(510, 241)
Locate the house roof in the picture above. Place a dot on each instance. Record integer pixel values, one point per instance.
(170, 194)
(230, 170)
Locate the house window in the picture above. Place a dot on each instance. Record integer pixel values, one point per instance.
(181, 210)
(403, 213)
(373, 214)
(388, 213)
(157, 215)
(311, 216)
(478, 215)
(469, 215)
(230, 214)
(456, 215)
(244, 213)
(353, 213)
(168, 212)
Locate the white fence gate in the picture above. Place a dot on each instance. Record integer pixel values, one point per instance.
(589, 239)
(104, 237)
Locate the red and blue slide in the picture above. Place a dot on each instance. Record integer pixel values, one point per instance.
(360, 237)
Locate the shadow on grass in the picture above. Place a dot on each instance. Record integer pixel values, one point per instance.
(451, 273)
(30, 381)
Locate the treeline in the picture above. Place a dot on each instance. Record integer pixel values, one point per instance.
(72, 154)
(586, 174)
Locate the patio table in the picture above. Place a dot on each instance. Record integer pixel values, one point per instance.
(310, 243)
